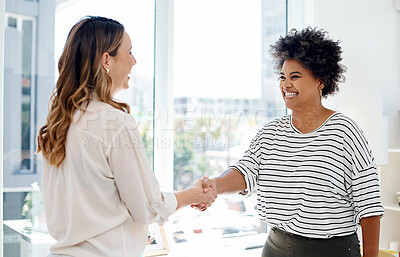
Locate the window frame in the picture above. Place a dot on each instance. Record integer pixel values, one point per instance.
(20, 19)
(2, 23)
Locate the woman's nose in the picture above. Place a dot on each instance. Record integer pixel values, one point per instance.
(134, 60)
(286, 84)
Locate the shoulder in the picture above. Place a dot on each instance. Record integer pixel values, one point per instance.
(353, 135)
(110, 112)
(279, 123)
(100, 115)
(345, 123)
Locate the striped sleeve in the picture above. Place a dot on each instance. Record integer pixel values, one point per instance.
(249, 164)
(364, 177)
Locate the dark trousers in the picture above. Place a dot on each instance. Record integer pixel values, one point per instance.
(282, 244)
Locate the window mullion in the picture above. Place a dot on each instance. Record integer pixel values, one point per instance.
(163, 94)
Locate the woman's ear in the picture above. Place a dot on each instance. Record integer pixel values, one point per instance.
(321, 85)
(105, 59)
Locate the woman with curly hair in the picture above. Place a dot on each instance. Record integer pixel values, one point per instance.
(314, 173)
(99, 191)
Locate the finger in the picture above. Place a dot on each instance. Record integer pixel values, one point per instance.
(213, 185)
(203, 178)
(206, 182)
(215, 193)
(197, 207)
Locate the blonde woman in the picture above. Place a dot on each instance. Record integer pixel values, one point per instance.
(99, 191)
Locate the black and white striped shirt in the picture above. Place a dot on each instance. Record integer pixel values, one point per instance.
(318, 184)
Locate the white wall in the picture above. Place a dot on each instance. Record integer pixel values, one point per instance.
(369, 31)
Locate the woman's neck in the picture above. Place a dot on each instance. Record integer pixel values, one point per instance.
(308, 119)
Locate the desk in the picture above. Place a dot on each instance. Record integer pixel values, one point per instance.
(213, 245)
(32, 244)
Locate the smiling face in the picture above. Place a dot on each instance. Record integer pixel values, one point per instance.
(120, 66)
(300, 88)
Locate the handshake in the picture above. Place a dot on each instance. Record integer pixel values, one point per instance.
(205, 193)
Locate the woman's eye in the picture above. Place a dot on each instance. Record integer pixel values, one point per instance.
(295, 77)
(281, 78)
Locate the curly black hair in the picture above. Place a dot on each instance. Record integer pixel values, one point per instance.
(316, 52)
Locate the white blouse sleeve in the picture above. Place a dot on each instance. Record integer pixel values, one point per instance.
(137, 185)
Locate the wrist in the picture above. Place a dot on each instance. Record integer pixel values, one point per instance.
(216, 185)
(185, 197)
(191, 195)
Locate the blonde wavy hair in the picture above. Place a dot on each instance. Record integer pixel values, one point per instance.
(81, 75)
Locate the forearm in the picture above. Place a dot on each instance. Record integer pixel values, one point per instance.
(370, 232)
(230, 182)
(184, 198)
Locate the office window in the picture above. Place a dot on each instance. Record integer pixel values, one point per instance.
(20, 87)
(12, 22)
(20, 83)
(222, 72)
(27, 86)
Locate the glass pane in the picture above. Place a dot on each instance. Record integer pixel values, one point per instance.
(19, 81)
(225, 89)
(12, 22)
(32, 50)
(19, 122)
(27, 80)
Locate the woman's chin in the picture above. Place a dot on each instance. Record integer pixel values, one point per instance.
(289, 106)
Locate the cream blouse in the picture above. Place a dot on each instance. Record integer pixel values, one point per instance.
(101, 198)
